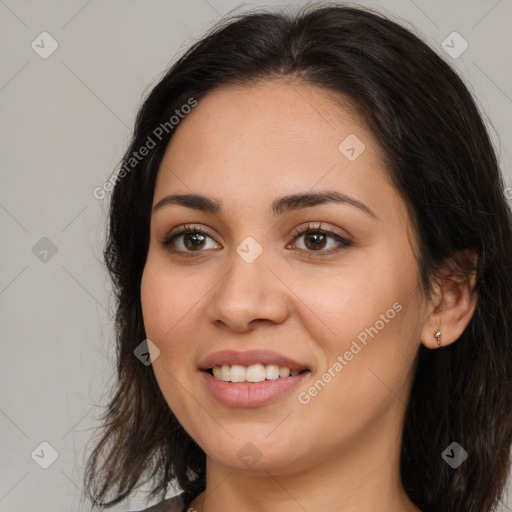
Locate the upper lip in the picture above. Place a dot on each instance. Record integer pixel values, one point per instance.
(250, 357)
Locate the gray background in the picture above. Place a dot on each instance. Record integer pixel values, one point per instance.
(65, 122)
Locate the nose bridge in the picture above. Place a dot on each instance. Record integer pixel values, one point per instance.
(249, 290)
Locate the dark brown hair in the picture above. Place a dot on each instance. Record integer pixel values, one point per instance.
(441, 162)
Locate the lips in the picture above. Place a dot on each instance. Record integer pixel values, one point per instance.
(254, 393)
(251, 357)
(248, 394)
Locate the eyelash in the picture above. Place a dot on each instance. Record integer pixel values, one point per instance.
(329, 232)
(185, 229)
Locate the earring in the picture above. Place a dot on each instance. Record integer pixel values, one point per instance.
(437, 335)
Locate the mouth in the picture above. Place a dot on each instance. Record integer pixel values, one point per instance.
(251, 366)
(251, 378)
(249, 387)
(253, 373)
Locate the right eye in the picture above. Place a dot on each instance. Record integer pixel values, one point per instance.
(189, 240)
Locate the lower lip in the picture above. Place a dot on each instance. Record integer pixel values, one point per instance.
(250, 394)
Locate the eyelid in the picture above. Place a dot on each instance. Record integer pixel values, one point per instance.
(301, 230)
(184, 229)
(345, 241)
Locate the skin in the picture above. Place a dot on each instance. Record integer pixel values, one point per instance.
(245, 146)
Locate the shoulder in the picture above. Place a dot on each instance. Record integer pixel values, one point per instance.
(174, 504)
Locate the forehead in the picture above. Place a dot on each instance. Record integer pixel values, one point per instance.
(281, 113)
(271, 138)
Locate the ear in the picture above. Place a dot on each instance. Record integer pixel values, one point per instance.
(452, 304)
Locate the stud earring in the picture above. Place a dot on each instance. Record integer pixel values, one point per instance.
(437, 335)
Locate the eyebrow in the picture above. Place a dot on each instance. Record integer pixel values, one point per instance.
(279, 206)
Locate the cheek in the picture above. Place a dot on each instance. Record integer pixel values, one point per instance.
(369, 316)
(167, 298)
(172, 302)
(154, 301)
(342, 306)
(165, 303)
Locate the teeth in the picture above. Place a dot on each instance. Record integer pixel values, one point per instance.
(253, 373)
(225, 370)
(284, 372)
(237, 373)
(272, 371)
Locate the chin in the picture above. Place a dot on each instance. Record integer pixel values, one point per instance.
(253, 453)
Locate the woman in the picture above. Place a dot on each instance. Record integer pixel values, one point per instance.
(310, 242)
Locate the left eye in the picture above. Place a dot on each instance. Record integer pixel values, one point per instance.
(316, 240)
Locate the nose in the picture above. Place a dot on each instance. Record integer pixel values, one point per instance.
(248, 294)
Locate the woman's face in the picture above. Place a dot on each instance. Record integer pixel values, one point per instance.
(340, 301)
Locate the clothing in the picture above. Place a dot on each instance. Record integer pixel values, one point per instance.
(174, 504)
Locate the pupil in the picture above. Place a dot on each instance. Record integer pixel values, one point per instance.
(319, 239)
(199, 240)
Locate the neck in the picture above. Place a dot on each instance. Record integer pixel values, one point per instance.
(361, 476)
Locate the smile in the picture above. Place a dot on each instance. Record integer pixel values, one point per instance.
(252, 373)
